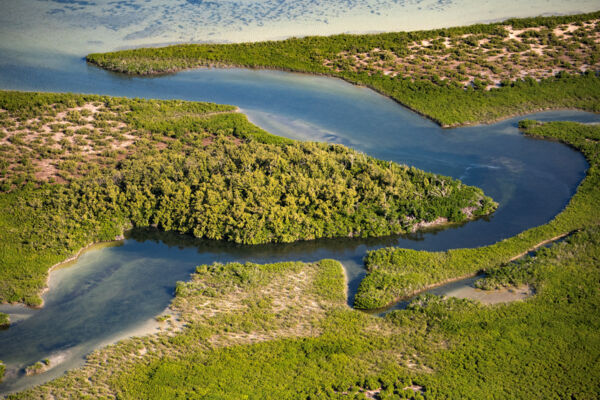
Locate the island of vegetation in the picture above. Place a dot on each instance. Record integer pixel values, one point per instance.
(38, 368)
(78, 169)
(454, 76)
(4, 321)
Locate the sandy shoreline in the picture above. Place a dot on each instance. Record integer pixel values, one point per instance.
(65, 263)
(219, 65)
(72, 259)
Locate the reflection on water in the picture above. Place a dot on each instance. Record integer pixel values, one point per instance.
(111, 291)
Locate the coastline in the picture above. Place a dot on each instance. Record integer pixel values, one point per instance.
(560, 88)
(64, 264)
(219, 65)
(441, 223)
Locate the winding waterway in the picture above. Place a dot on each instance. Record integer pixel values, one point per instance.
(111, 292)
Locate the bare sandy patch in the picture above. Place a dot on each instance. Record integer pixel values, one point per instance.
(505, 295)
(484, 61)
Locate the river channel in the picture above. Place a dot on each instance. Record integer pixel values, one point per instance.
(117, 290)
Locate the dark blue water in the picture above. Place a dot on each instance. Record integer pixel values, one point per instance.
(111, 291)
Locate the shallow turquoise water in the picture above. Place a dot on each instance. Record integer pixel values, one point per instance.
(82, 26)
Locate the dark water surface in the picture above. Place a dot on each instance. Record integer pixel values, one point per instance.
(110, 292)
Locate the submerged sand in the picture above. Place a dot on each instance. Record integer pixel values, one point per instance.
(79, 27)
(504, 295)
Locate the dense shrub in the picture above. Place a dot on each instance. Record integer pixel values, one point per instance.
(202, 169)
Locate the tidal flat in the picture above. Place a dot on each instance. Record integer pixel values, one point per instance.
(81, 27)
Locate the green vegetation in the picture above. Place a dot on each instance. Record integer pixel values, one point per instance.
(546, 347)
(396, 273)
(193, 168)
(38, 368)
(163, 318)
(2, 369)
(284, 331)
(455, 76)
(514, 274)
(4, 321)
